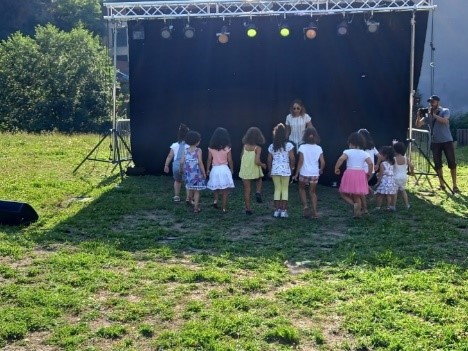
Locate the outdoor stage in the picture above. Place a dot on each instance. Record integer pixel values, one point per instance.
(359, 80)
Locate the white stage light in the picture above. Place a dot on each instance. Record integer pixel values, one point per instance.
(342, 28)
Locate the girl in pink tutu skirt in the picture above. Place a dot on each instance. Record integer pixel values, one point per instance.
(354, 181)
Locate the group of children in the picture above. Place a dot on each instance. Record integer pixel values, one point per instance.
(187, 161)
(391, 173)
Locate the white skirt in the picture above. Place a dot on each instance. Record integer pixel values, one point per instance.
(220, 178)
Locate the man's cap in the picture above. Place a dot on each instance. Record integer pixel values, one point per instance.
(433, 98)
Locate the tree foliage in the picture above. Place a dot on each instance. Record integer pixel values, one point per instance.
(55, 80)
(67, 14)
(25, 15)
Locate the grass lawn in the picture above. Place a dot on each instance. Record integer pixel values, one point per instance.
(116, 265)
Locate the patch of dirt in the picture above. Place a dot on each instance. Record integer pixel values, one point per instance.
(241, 231)
(32, 342)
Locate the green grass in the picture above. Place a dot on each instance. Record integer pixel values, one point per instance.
(115, 265)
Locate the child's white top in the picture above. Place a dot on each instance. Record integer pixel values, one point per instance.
(356, 158)
(372, 154)
(400, 171)
(311, 154)
(175, 148)
(280, 164)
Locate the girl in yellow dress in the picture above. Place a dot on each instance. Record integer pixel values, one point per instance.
(251, 165)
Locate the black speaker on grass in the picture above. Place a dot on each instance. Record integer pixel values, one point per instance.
(16, 213)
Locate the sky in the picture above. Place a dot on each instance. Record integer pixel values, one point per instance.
(450, 55)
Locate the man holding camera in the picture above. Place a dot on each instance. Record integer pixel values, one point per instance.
(436, 118)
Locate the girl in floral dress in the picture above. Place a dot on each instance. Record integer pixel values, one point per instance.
(192, 164)
(386, 187)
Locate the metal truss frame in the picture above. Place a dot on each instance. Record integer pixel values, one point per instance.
(185, 9)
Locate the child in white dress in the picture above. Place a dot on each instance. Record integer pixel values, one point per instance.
(400, 171)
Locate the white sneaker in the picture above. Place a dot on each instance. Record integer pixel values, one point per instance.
(284, 214)
(277, 213)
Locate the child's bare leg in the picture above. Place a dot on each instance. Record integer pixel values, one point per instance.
(357, 205)
(347, 198)
(196, 200)
(284, 205)
(364, 203)
(302, 194)
(404, 195)
(247, 194)
(225, 194)
(379, 200)
(277, 204)
(313, 198)
(215, 197)
(258, 185)
(177, 186)
(390, 201)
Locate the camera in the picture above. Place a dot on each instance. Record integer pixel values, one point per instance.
(423, 111)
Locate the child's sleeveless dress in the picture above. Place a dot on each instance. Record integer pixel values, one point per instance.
(193, 176)
(400, 174)
(248, 168)
(387, 184)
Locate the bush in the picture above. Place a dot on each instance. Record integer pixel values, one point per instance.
(458, 121)
(54, 81)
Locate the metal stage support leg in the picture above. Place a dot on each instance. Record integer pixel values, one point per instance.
(429, 162)
(116, 159)
(114, 134)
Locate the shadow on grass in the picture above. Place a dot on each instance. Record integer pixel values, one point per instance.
(139, 217)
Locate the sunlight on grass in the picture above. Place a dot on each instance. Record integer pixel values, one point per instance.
(114, 265)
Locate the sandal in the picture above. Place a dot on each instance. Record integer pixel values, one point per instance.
(176, 198)
(456, 190)
(196, 210)
(188, 202)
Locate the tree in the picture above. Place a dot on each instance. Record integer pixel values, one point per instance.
(23, 16)
(67, 14)
(55, 80)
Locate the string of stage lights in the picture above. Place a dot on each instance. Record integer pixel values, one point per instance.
(310, 31)
(249, 9)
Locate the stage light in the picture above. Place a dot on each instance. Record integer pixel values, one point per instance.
(223, 36)
(372, 26)
(342, 28)
(284, 30)
(310, 32)
(166, 32)
(138, 32)
(189, 32)
(251, 30)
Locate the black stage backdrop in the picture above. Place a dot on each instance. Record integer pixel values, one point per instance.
(360, 80)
